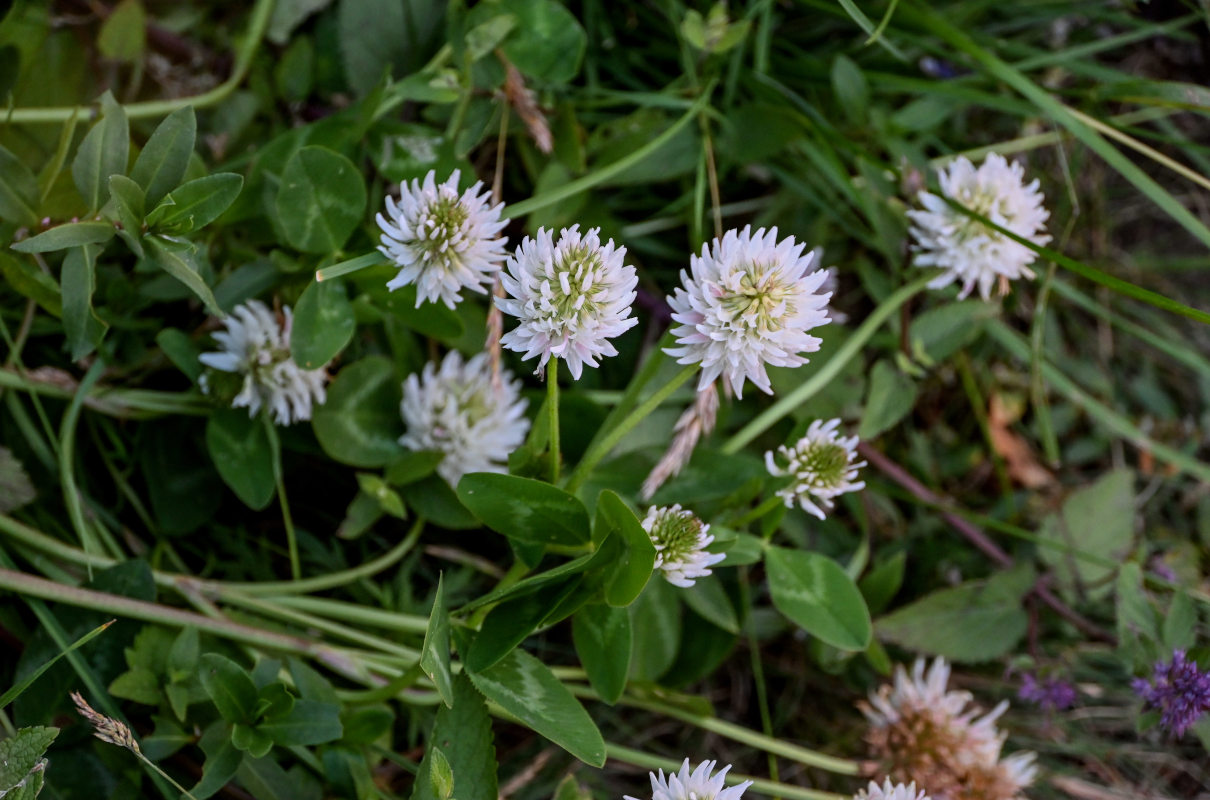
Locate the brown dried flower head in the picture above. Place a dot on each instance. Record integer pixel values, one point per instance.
(922, 732)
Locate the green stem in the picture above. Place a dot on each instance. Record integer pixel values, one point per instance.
(736, 733)
(350, 266)
(552, 417)
(597, 176)
(261, 13)
(758, 512)
(280, 483)
(759, 786)
(601, 447)
(67, 447)
(124, 403)
(52, 546)
(352, 612)
(808, 389)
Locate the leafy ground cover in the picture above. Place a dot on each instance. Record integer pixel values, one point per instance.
(335, 462)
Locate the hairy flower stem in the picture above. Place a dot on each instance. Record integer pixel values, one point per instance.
(552, 417)
(828, 372)
(602, 446)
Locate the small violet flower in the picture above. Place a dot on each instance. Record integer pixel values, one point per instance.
(1049, 694)
(1178, 690)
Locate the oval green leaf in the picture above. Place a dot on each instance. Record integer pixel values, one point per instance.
(320, 200)
(525, 509)
(359, 424)
(816, 594)
(603, 641)
(526, 689)
(323, 324)
(240, 449)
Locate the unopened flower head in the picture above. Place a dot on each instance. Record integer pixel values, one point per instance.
(822, 465)
(967, 250)
(746, 303)
(442, 241)
(570, 297)
(680, 540)
(890, 791)
(696, 785)
(256, 344)
(458, 410)
(921, 731)
(1178, 690)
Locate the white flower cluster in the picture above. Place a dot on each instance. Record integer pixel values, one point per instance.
(570, 297)
(257, 344)
(967, 250)
(698, 784)
(889, 791)
(748, 302)
(680, 540)
(822, 465)
(442, 241)
(458, 410)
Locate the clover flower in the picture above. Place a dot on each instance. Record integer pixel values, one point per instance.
(748, 302)
(442, 241)
(680, 540)
(257, 344)
(1049, 694)
(924, 733)
(967, 250)
(458, 410)
(1178, 690)
(889, 791)
(570, 297)
(696, 785)
(822, 465)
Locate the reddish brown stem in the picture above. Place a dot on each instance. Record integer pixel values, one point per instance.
(977, 537)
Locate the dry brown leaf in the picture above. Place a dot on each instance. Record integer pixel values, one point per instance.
(1023, 466)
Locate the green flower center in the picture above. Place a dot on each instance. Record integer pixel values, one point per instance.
(753, 295)
(573, 286)
(677, 534)
(823, 464)
(440, 226)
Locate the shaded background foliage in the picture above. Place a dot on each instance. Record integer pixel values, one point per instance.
(1040, 416)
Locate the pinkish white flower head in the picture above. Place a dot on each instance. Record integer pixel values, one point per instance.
(889, 791)
(822, 465)
(680, 540)
(968, 251)
(256, 344)
(696, 785)
(922, 731)
(442, 241)
(570, 297)
(458, 411)
(747, 303)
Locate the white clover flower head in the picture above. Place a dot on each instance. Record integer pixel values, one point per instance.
(442, 241)
(748, 302)
(257, 344)
(570, 297)
(922, 731)
(680, 540)
(967, 250)
(890, 791)
(823, 466)
(458, 410)
(696, 785)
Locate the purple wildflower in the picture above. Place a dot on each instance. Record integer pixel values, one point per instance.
(1049, 694)
(1178, 690)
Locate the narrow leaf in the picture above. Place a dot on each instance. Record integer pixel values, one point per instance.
(104, 152)
(162, 163)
